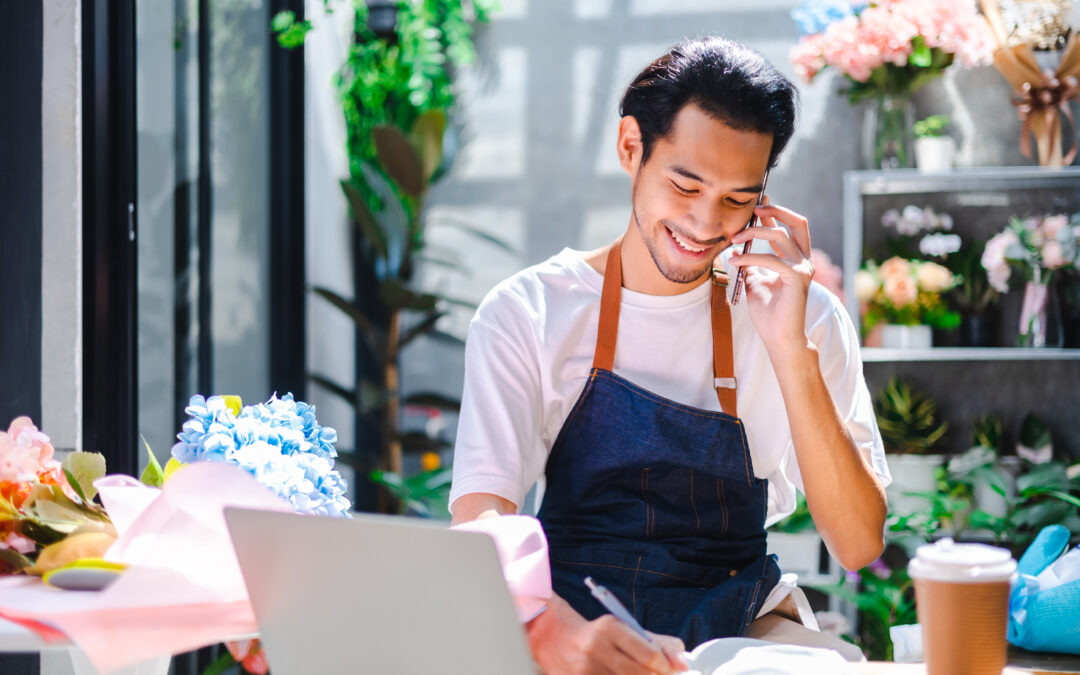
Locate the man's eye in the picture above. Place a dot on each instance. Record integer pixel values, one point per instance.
(737, 203)
(682, 189)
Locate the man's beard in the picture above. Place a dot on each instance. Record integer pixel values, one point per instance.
(678, 275)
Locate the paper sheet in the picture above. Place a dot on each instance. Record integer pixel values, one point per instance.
(184, 588)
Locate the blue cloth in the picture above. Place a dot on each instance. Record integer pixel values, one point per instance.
(658, 502)
(1044, 619)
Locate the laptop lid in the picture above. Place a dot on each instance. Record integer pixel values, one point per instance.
(376, 594)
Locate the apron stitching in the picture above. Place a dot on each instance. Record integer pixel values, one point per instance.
(708, 414)
(697, 528)
(633, 587)
(645, 499)
(746, 458)
(750, 607)
(696, 582)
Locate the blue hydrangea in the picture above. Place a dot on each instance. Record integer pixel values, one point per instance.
(279, 442)
(816, 15)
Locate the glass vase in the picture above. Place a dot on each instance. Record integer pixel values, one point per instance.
(1040, 316)
(887, 132)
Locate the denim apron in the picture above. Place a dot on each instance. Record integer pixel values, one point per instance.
(657, 500)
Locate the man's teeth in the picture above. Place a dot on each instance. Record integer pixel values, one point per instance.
(682, 242)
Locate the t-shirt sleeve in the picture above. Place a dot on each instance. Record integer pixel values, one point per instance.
(498, 448)
(834, 335)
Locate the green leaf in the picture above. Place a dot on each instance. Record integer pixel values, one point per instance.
(13, 561)
(425, 326)
(1051, 475)
(400, 159)
(363, 219)
(224, 662)
(428, 132)
(171, 467)
(82, 469)
(152, 475)
(363, 324)
(392, 219)
(920, 54)
(396, 294)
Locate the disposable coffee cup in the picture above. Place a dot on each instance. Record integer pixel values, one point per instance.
(962, 599)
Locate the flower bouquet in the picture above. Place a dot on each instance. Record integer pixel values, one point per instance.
(886, 50)
(1040, 246)
(47, 513)
(48, 516)
(902, 292)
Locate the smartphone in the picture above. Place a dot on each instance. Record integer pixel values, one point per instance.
(737, 292)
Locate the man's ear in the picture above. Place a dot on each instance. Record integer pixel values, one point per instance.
(629, 145)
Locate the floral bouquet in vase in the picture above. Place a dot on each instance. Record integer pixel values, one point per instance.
(905, 297)
(887, 49)
(1040, 246)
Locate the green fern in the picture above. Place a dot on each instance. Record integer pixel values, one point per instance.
(908, 419)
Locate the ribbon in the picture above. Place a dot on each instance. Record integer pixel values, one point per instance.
(1045, 100)
(1042, 98)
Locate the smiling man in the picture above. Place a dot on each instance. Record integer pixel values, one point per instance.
(671, 426)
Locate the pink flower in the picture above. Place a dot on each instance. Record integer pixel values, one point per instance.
(895, 267)
(250, 655)
(900, 290)
(1053, 256)
(1051, 225)
(24, 452)
(994, 262)
(18, 542)
(826, 273)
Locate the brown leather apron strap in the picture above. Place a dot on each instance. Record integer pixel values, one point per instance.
(610, 299)
(723, 343)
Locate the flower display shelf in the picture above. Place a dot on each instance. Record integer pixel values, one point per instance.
(980, 200)
(881, 355)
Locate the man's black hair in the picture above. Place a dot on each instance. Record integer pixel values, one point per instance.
(728, 80)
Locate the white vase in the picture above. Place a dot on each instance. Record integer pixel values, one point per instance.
(911, 473)
(933, 154)
(896, 336)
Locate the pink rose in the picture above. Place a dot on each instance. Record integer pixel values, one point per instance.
(24, 452)
(826, 273)
(18, 542)
(901, 290)
(1053, 256)
(1051, 225)
(895, 267)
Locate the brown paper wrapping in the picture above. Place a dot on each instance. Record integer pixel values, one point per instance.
(1042, 98)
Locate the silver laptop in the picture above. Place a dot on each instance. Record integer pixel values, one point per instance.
(376, 594)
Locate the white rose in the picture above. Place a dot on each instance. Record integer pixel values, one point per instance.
(865, 285)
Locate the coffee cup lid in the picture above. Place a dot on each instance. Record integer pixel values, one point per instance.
(945, 560)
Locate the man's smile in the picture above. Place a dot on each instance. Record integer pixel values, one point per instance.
(687, 247)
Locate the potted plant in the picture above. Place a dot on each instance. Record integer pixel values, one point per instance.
(911, 431)
(797, 544)
(974, 297)
(905, 296)
(933, 149)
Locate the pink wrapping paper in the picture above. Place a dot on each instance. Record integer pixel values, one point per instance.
(523, 553)
(184, 588)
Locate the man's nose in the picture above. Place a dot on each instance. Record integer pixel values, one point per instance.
(711, 221)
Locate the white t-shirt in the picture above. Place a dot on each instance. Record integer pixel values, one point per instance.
(530, 348)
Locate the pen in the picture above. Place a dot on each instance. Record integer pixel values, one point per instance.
(612, 604)
(746, 247)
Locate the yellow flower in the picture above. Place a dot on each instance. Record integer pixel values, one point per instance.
(430, 461)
